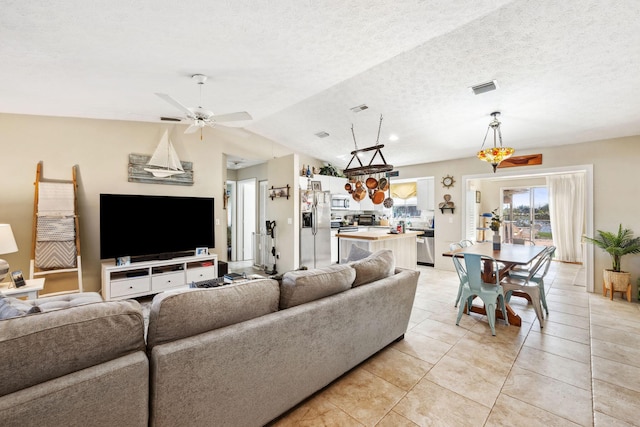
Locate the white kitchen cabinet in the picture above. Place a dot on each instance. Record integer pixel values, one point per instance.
(426, 194)
(336, 185)
(366, 204)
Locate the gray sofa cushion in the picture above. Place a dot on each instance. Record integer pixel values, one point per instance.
(299, 287)
(14, 307)
(52, 344)
(209, 309)
(376, 266)
(65, 301)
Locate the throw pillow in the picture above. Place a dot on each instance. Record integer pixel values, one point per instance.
(376, 266)
(299, 287)
(176, 315)
(13, 307)
(357, 253)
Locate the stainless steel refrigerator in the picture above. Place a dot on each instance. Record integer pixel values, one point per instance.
(315, 229)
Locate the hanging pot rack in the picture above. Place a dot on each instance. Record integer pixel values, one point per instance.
(370, 168)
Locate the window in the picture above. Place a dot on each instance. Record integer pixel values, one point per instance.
(526, 214)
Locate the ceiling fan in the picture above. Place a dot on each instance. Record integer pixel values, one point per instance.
(200, 116)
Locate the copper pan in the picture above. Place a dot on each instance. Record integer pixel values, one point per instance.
(378, 197)
(372, 183)
(383, 184)
(359, 194)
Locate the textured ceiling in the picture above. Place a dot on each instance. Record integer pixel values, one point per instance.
(567, 71)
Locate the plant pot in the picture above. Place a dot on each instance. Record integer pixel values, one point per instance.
(616, 281)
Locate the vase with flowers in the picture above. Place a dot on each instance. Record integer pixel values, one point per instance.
(496, 222)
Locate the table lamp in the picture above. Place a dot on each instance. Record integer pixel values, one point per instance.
(7, 246)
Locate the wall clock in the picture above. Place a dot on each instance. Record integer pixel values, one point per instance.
(447, 181)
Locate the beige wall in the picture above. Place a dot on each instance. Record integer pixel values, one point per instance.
(101, 148)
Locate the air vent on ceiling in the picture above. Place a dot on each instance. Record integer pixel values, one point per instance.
(359, 108)
(484, 87)
(321, 134)
(170, 119)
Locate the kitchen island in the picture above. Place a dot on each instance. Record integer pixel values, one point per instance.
(403, 245)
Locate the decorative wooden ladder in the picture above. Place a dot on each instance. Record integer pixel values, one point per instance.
(55, 245)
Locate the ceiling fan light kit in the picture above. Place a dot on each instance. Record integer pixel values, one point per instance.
(200, 116)
(495, 154)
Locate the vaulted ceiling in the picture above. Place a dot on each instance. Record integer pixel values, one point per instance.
(566, 71)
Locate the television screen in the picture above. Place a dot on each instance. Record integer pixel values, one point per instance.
(144, 226)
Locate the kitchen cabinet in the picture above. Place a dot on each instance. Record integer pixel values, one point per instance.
(333, 184)
(336, 185)
(426, 194)
(366, 204)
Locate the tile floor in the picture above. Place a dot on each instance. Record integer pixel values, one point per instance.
(581, 369)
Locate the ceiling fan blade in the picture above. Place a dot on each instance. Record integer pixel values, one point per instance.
(177, 104)
(192, 129)
(232, 117)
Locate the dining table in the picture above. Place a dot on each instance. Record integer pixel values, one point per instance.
(507, 256)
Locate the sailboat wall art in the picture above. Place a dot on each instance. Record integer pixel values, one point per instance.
(163, 167)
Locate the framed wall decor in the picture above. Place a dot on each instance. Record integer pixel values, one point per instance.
(478, 196)
(123, 260)
(316, 185)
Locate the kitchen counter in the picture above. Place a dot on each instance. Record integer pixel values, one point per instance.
(383, 234)
(403, 245)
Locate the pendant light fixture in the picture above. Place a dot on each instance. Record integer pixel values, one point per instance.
(495, 154)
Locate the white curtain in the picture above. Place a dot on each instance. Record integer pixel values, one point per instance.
(567, 210)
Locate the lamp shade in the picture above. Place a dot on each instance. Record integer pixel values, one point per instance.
(7, 241)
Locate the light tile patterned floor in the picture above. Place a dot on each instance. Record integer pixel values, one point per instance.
(581, 369)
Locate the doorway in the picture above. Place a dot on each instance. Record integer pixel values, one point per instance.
(241, 219)
(588, 253)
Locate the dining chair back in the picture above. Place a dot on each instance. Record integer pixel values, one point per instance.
(541, 268)
(527, 285)
(462, 276)
(490, 293)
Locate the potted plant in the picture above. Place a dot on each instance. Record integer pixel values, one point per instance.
(494, 225)
(617, 245)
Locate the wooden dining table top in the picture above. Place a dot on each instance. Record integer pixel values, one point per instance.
(507, 254)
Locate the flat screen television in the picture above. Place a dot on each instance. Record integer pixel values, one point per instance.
(154, 227)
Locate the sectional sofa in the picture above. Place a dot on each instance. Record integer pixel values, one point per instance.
(237, 355)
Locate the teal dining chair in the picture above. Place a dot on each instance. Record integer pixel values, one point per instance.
(490, 293)
(526, 285)
(462, 276)
(539, 274)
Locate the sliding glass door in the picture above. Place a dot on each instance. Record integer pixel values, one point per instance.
(526, 215)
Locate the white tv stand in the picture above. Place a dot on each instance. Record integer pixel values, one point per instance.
(150, 277)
